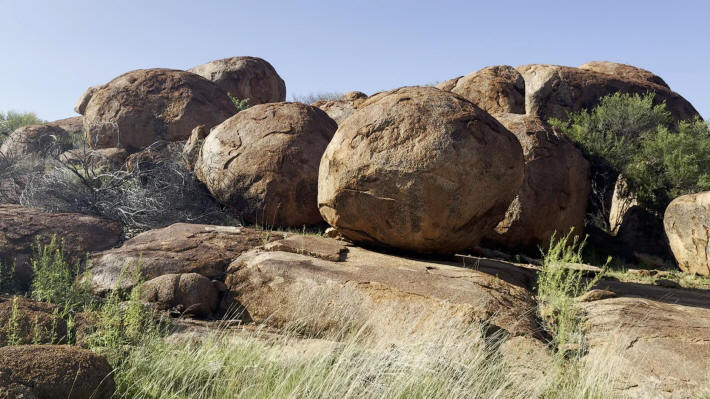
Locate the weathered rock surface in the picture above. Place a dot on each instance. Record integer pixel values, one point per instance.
(495, 89)
(36, 322)
(317, 247)
(555, 91)
(141, 107)
(191, 150)
(21, 227)
(245, 77)
(627, 72)
(556, 184)
(447, 85)
(687, 225)
(652, 349)
(263, 163)
(74, 124)
(178, 248)
(390, 295)
(340, 109)
(33, 140)
(193, 293)
(50, 372)
(83, 100)
(419, 169)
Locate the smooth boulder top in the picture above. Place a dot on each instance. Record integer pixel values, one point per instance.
(553, 197)
(495, 89)
(554, 91)
(624, 71)
(263, 162)
(141, 107)
(419, 169)
(245, 78)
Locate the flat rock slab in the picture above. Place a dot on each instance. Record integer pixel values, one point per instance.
(654, 349)
(392, 296)
(178, 248)
(317, 247)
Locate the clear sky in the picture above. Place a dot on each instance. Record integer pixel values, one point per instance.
(51, 51)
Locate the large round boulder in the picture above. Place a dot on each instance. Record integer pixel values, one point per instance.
(54, 371)
(141, 107)
(495, 89)
(245, 78)
(553, 196)
(419, 169)
(687, 225)
(34, 140)
(263, 162)
(553, 91)
(190, 292)
(624, 71)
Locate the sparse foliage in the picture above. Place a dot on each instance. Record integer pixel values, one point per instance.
(12, 120)
(240, 105)
(314, 97)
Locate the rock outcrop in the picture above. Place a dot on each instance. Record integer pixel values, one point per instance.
(83, 100)
(141, 107)
(263, 163)
(245, 78)
(623, 71)
(340, 109)
(49, 372)
(419, 169)
(33, 140)
(553, 91)
(650, 348)
(495, 89)
(687, 225)
(178, 248)
(191, 293)
(21, 228)
(556, 184)
(391, 296)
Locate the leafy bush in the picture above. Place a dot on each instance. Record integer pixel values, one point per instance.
(12, 120)
(240, 105)
(54, 280)
(629, 135)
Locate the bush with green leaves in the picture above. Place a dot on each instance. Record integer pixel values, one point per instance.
(12, 120)
(54, 280)
(240, 105)
(628, 134)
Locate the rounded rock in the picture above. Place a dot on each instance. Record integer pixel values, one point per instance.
(419, 169)
(263, 162)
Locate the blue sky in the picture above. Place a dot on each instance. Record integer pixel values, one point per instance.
(51, 51)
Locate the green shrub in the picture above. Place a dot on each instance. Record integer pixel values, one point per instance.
(54, 280)
(13, 325)
(629, 135)
(8, 283)
(12, 120)
(240, 105)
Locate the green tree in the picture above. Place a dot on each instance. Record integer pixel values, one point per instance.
(12, 120)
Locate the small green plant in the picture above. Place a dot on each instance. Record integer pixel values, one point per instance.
(54, 280)
(558, 283)
(13, 325)
(11, 120)
(240, 105)
(8, 284)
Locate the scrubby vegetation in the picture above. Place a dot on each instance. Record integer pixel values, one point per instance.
(12, 120)
(313, 97)
(240, 105)
(629, 135)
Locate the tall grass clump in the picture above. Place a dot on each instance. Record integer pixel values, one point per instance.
(558, 284)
